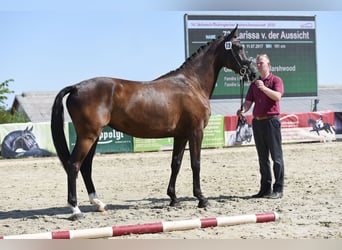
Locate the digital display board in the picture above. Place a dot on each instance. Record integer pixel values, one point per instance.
(290, 42)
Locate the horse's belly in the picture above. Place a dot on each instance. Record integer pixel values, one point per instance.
(150, 128)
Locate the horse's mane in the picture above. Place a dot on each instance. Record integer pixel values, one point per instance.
(202, 49)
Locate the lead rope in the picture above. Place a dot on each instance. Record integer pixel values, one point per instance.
(242, 84)
(241, 119)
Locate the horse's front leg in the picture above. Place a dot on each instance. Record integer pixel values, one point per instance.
(177, 157)
(195, 156)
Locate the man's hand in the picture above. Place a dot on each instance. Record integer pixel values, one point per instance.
(240, 112)
(260, 84)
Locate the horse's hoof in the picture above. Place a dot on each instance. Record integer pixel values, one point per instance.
(104, 212)
(76, 217)
(174, 204)
(203, 203)
(101, 207)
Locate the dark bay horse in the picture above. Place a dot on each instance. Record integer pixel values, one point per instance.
(316, 126)
(173, 105)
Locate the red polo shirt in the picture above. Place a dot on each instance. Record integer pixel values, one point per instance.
(263, 105)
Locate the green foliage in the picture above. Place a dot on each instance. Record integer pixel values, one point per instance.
(4, 90)
(7, 116)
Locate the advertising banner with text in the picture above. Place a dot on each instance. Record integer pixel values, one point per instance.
(34, 139)
(110, 140)
(295, 127)
(290, 41)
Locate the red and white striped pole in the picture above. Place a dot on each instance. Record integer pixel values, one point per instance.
(158, 227)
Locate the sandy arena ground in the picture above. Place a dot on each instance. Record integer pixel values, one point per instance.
(133, 185)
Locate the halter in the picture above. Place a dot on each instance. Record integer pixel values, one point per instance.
(243, 74)
(243, 68)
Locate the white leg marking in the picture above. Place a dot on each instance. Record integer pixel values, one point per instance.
(75, 210)
(76, 213)
(96, 201)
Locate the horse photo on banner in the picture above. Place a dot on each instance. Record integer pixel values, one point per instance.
(237, 135)
(26, 140)
(308, 127)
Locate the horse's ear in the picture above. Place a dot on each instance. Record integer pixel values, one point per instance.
(232, 34)
(31, 128)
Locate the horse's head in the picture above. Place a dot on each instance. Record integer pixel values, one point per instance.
(24, 139)
(235, 57)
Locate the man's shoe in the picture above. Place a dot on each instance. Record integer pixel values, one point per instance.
(274, 195)
(262, 194)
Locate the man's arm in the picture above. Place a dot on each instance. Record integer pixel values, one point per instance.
(274, 95)
(245, 107)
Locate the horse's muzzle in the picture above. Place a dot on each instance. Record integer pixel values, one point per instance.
(248, 71)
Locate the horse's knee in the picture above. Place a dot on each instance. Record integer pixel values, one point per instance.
(175, 165)
(72, 170)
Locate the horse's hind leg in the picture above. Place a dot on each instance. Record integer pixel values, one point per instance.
(72, 172)
(79, 153)
(177, 156)
(329, 128)
(86, 170)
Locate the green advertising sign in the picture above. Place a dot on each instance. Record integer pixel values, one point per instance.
(213, 137)
(110, 140)
(290, 41)
(157, 144)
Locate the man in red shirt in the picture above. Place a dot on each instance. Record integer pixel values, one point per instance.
(266, 92)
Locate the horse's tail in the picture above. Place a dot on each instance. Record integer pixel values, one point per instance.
(57, 126)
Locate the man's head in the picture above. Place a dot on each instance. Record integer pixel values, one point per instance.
(263, 64)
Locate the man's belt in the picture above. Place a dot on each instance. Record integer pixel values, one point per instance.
(266, 117)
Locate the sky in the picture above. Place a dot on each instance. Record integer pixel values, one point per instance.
(47, 45)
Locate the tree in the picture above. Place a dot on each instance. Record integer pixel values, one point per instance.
(5, 115)
(4, 90)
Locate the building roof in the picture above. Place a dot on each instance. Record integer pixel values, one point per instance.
(37, 105)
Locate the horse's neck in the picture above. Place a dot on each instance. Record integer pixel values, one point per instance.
(206, 70)
(17, 143)
(203, 69)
